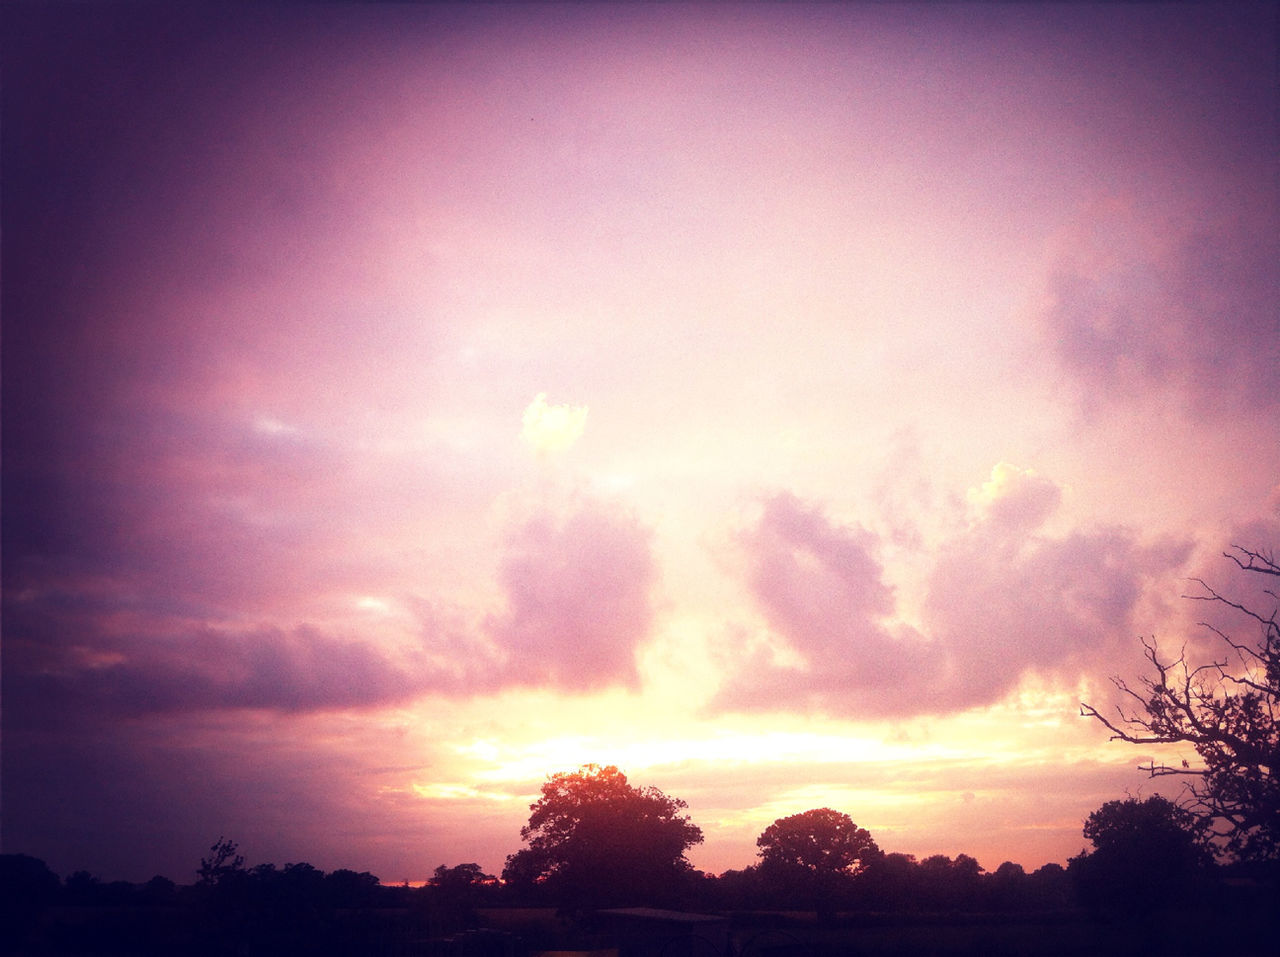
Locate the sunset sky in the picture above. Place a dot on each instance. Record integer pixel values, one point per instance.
(795, 406)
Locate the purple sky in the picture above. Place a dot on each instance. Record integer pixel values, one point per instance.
(795, 406)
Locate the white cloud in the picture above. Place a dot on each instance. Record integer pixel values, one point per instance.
(1016, 499)
(552, 428)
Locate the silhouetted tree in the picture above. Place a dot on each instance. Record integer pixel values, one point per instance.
(1051, 887)
(890, 882)
(1148, 854)
(347, 888)
(821, 841)
(736, 890)
(27, 887)
(223, 859)
(459, 878)
(816, 854)
(1009, 887)
(81, 887)
(1226, 709)
(596, 840)
(455, 892)
(946, 884)
(158, 891)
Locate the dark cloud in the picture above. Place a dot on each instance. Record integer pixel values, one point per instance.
(112, 639)
(1002, 602)
(1200, 324)
(69, 666)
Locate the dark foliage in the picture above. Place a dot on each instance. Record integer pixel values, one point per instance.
(27, 887)
(1226, 708)
(818, 841)
(1148, 855)
(815, 856)
(594, 840)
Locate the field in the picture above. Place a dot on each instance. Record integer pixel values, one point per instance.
(1068, 934)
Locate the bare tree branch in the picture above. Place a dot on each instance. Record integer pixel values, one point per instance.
(1226, 710)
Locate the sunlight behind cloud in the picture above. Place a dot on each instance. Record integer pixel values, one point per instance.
(1004, 476)
(457, 792)
(552, 428)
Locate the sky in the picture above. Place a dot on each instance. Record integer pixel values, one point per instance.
(795, 406)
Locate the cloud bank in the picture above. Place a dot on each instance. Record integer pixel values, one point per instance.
(1003, 600)
(575, 583)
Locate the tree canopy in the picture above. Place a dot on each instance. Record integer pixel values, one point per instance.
(820, 840)
(1226, 708)
(1148, 853)
(815, 855)
(595, 839)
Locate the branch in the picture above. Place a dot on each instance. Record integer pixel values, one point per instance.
(1253, 561)
(1214, 596)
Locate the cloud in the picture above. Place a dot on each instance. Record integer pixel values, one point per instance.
(821, 590)
(577, 584)
(1004, 606)
(1016, 499)
(1001, 602)
(552, 428)
(578, 595)
(1197, 321)
(78, 657)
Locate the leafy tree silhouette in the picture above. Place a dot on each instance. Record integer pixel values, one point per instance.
(816, 853)
(595, 840)
(1148, 855)
(223, 860)
(949, 885)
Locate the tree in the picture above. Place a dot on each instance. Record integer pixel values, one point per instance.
(223, 860)
(1009, 887)
(1147, 854)
(816, 854)
(594, 839)
(821, 840)
(27, 887)
(459, 879)
(1226, 709)
(455, 892)
(945, 884)
(351, 889)
(892, 882)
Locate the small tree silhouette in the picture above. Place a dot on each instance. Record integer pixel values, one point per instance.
(222, 860)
